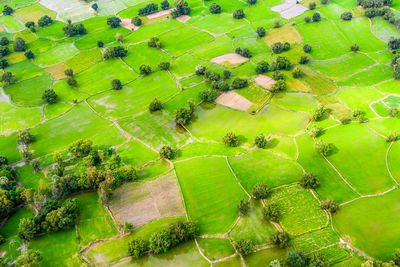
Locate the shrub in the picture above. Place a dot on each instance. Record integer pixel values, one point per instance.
(114, 22)
(296, 259)
(116, 84)
(45, 21)
(297, 72)
(307, 19)
(277, 75)
(316, 17)
(315, 131)
(164, 65)
(330, 206)
(346, 15)
(155, 105)
(244, 52)
(215, 8)
(49, 96)
(312, 5)
(277, 47)
(261, 32)
(136, 21)
(7, 10)
(323, 148)
(4, 41)
(239, 83)
(279, 86)
(392, 137)
(80, 148)
(260, 191)
(262, 67)
(238, 14)
(309, 181)
(280, 239)
(164, 5)
(208, 95)
(244, 206)
(354, 47)
(260, 141)
(271, 212)
(19, 45)
(154, 42)
(307, 48)
(230, 139)
(166, 152)
(137, 247)
(244, 247)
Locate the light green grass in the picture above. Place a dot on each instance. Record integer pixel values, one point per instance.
(11, 24)
(201, 149)
(372, 76)
(219, 23)
(15, 118)
(136, 153)
(56, 55)
(216, 248)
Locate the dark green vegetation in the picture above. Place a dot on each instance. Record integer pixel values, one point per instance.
(121, 126)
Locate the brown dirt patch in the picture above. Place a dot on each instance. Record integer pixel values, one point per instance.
(160, 13)
(231, 58)
(57, 71)
(126, 23)
(234, 100)
(264, 81)
(183, 18)
(142, 202)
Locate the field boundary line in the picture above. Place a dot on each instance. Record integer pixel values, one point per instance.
(237, 180)
(201, 252)
(180, 190)
(387, 163)
(368, 196)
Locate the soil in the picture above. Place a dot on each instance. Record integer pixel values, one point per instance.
(234, 100)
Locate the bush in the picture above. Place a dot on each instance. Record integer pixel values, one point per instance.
(95, 7)
(296, 259)
(164, 5)
(239, 83)
(80, 148)
(280, 239)
(330, 206)
(208, 95)
(307, 48)
(145, 69)
(137, 247)
(136, 21)
(307, 19)
(4, 51)
(260, 141)
(166, 152)
(261, 32)
(19, 45)
(262, 67)
(260, 191)
(200, 70)
(49, 96)
(297, 72)
(45, 21)
(215, 8)
(155, 105)
(316, 17)
(164, 65)
(116, 84)
(244, 206)
(4, 41)
(312, 5)
(309, 181)
(113, 52)
(244, 247)
(7, 10)
(29, 54)
(279, 86)
(277, 48)
(244, 52)
(392, 137)
(354, 48)
(238, 14)
(230, 139)
(323, 148)
(346, 15)
(271, 212)
(114, 22)
(100, 44)
(277, 75)
(154, 42)
(3, 63)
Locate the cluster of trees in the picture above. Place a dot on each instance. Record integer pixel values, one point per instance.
(114, 22)
(148, 9)
(395, 44)
(324, 148)
(278, 47)
(166, 152)
(44, 21)
(7, 10)
(382, 11)
(215, 78)
(183, 115)
(24, 138)
(315, 18)
(4, 51)
(71, 78)
(209, 95)
(215, 8)
(230, 139)
(8, 78)
(299, 259)
(160, 242)
(74, 29)
(319, 113)
(181, 8)
(374, 3)
(261, 191)
(244, 52)
(154, 42)
(395, 261)
(49, 96)
(113, 52)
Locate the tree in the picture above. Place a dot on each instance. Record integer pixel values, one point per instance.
(275, 263)
(100, 44)
(261, 32)
(3, 160)
(244, 206)
(316, 17)
(160, 242)
(113, 52)
(4, 51)
(323, 148)
(166, 152)
(215, 8)
(230, 139)
(286, 46)
(45, 21)
(393, 112)
(31, 258)
(281, 63)
(312, 5)
(8, 78)
(69, 72)
(314, 131)
(212, 76)
(145, 69)
(317, 260)
(95, 7)
(271, 212)
(227, 74)
(238, 14)
(136, 21)
(24, 137)
(309, 181)
(277, 75)
(114, 22)
(330, 206)
(307, 48)
(116, 84)
(181, 8)
(155, 105)
(72, 82)
(279, 86)
(200, 70)
(262, 67)
(280, 239)
(354, 47)
(58, 157)
(29, 54)
(3, 63)
(244, 247)
(346, 15)
(277, 23)
(392, 137)
(277, 47)
(208, 95)
(319, 113)
(80, 148)
(239, 83)
(137, 247)
(296, 259)
(297, 72)
(74, 30)
(164, 65)
(7, 10)
(19, 45)
(4, 41)
(49, 96)
(396, 257)
(27, 229)
(182, 115)
(260, 191)
(307, 19)
(260, 141)
(164, 5)
(148, 9)
(154, 42)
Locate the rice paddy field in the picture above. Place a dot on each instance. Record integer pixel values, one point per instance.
(344, 98)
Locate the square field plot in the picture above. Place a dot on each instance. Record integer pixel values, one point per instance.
(11, 24)
(219, 23)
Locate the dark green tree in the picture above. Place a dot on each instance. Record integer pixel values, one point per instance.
(164, 5)
(95, 7)
(145, 69)
(261, 191)
(164, 65)
(27, 229)
(244, 206)
(238, 14)
(8, 78)
(30, 258)
(280, 239)
(116, 84)
(80, 148)
(307, 48)
(262, 67)
(346, 15)
(137, 247)
(19, 45)
(160, 242)
(261, 32)
(7, 10)
(309, 181)
(166, 152)
(4, 41)
(3, 63)
(45, 21)
(244, 247)
(29, 54)
(316, 17)
(136, 21)
(114, 22)
(296, 259)
(155, 105)
(271, 212)
(230, 139)
(260, 141)
(215, 8)
(49, 96)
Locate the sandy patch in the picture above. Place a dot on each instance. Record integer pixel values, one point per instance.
(126, 23)
(231, 58)
(140, 203)
(289, 9)
(160, 13)
(183, 18)
(234, 100)
(264, 81)
(3, 96)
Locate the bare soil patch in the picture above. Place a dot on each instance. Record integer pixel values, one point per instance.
(231, 58)
(183, 18)
(264, 81)
(126, 23)
(160, 13)
(234, 100)
(57, 71)
(142, 202)
(289, 9)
